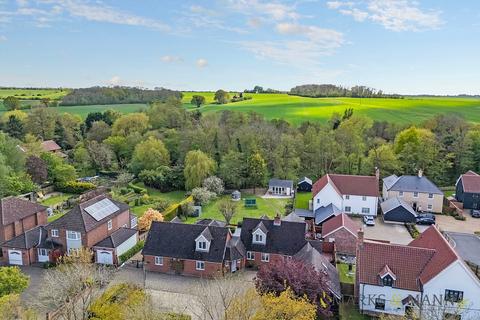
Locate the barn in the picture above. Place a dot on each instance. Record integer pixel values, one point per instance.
(396, 210)
(305, 185)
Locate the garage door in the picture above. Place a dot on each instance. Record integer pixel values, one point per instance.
(15, 257)
(104, 257)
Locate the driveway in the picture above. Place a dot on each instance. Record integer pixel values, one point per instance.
(448, 223)
(466, 245)
(394, 233)
(30, 295)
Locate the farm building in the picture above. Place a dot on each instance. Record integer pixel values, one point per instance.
(305, 185)
(397, 210)
(468, 190)
(279, 187)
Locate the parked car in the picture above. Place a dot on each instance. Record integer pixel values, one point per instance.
(369, 220)
(475, 213)
(426, 218)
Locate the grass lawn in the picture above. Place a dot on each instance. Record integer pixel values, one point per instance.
(55, 199)
(343, 272)
(348, 311)
(267, 207)
(172, 197)
(302, 199)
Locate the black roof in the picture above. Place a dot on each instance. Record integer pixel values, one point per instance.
(211, 222)
(280, 183)
(235, 249)
(34, 238)
(177, 240)
(116, 238)
(287, 238)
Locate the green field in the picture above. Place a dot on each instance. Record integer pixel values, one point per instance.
(33, 94)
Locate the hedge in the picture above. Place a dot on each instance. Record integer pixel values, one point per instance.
(171, 211)
(137, 189)
(132, 251)
(76, 187)
(412, 229)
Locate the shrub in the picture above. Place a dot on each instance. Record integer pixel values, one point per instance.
(137, 189)
(412, 229)
(145, 221)
(161, 205)
(132, 251)
(76, 187)
(202, 196)
(214, 184)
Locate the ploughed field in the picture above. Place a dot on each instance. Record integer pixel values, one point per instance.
(291, 108)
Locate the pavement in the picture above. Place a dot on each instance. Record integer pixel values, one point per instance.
(394, 233)
(448, 223)
(30, 295)
(466, 245)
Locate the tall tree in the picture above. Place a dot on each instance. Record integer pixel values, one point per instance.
(286, 160)
(14, 127)
(149, 154)
(130, 123)
(198, 166)
(197, 100)
(41, 122)
(256, 170)
(232, 169)
(11, 103)
(37, 169)
(221, 96)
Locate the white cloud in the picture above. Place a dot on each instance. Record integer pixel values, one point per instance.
(272, 10)
(395, 15)
(171, 59)
(254, 22)
(202, 63)
(326, 38)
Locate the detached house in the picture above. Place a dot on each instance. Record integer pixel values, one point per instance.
(103, 224)
(426, 278)
(18, 216)
(418, 191)
(203, 250)
(271, 240)
(468, 190)
(346, 193)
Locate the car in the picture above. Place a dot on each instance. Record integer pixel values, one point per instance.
(475, 213)
(369, 220)
(426, 218)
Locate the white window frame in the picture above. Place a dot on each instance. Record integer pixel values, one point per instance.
(364, 198)
(202, 245)
(430, 196)
(349, 209)
(158, 261)
(250, 255)
(400, 193)
(365, 210)
(109, 224)
(41, 251)
(347, 197)
(415, 194)
(133, 222)
(55, 233)
(265, 257)
(77, 234)
(200, 265)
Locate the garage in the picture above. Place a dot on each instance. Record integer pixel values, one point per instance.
(15, 257)
(104, 257)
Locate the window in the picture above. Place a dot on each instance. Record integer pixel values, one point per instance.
(54, 233)
(159, 261)
(453, 295)
(364, 198)
(109, 225)
(200, 265)
(429, 207)
(430, 196)
(348, 209)
(124, 226)
(133, 222)
(259, 237)
(365, 210)
(347, 197)
(265, 257)
(415, 194)
(42, 252)
(387, 281)
(201, 245)
(73, 235)
(380, 304)
(400, 193)
(318, 200)
(250, 255)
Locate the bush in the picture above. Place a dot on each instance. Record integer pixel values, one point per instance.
(214, 184)
(161, 205)
(132, 251)
(202, 196)
(412, 229)
(137, 189)
(76, 187)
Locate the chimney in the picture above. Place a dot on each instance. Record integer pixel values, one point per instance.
(377, 173)
(277, 221)
(420, 173)
(360, 235)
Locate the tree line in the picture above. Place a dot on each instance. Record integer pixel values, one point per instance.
(116, 95)
(330, 90)
(172, 148)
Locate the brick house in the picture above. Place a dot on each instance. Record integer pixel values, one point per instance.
(202, 250)
(18, 216)
(90, 224)
(343, 232)
(267, 240)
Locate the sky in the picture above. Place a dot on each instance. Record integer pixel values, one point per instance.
(398, 46)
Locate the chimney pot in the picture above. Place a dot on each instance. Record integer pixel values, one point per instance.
(360, 235)
(277, 221)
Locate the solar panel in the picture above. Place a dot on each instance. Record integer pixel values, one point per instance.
(102, 209)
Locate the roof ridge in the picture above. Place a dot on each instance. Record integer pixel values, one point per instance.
(371, 241)
(352, 175)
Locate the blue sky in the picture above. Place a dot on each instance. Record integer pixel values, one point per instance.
(401, 46)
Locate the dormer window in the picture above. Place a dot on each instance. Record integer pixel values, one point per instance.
(387, 281)
(259, 237)
(202, 243)
(387, 277)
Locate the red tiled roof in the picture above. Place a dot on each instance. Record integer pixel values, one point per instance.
(471, 182)
(444, 253)
(407, 263)
(386, 270)
(348, 185)
(50, 145)
(342, 220)
(14, 209)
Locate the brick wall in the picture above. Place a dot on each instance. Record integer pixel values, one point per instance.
(21, 226)
(257, 262)
(101, 232)
(189, 267)
(345, 242)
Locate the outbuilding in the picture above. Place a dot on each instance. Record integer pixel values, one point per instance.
(236, 195)
(305, 185)
(397, 210)
(277, 187)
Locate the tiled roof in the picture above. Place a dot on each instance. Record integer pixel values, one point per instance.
(323, 213)
(280, 183)
(177, 240)
(14, 209)
(79, 220)
(386, 270)
(348, 185)
(235, 249)
(210, 222)
(286, 239)
(471, 182)
(444, 253)
(406, 262)
(116, 238)
(50, 145)
(412, 184)
(342, 220)
(34, 238)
